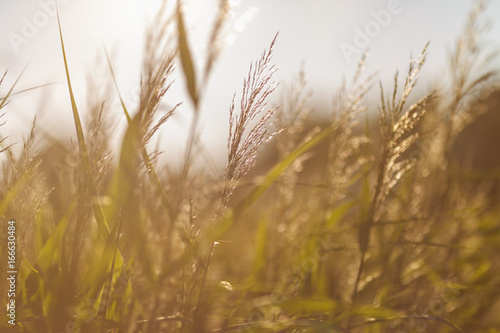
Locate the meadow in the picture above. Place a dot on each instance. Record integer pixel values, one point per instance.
(367, 222)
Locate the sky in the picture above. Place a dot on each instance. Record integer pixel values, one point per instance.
(324, 37)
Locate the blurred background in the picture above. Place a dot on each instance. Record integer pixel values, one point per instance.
(325, 38)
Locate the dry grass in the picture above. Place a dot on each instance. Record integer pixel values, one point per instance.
(383, 235)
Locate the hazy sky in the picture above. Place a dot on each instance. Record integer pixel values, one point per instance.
(323, 35)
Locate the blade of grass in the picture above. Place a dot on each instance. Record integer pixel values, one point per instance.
(339, 212)
(186, 59)
(113, 77)
(122, 191)
(281, 166)
(153, 175)
(98, 211)
(9, 93)
(13, 191)
(30, 89)
(108, 255)
(46, 256)
(261, 241)
(76, 115)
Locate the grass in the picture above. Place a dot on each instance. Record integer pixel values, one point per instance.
(359, 225)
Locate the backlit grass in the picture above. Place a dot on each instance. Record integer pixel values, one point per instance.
(366, 223)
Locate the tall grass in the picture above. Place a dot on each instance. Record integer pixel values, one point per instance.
(360, 225)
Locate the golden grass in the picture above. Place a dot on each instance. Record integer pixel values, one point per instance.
(381, 235)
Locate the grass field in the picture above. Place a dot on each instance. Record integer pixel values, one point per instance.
(386, 222)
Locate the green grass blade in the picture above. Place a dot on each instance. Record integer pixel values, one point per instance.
(186, 59)
(30, 266)
(122, 191)
(108, 254)
(153, 175)
(9, 93)
(100, 217)
(98, 212)
(46, 256)
(261, 241)
(364, 214)
(282, 165)
(339, 212)
(13, 191)
(76, 115)
(127, 114)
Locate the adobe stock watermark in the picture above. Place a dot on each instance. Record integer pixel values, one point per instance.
(31, 26)
(11, 272)
(363, 36)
